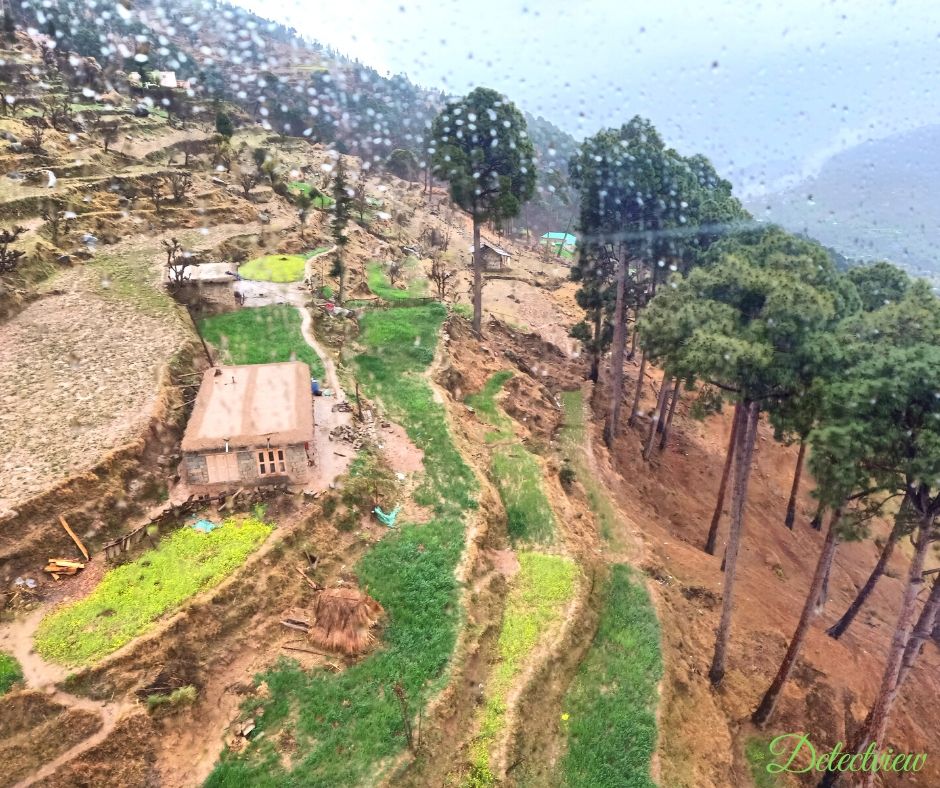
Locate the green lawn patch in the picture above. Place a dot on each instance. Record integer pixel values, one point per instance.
(536, 600)
(379, 284)
(349, 723)
(757, 752)
(261, 336)
(484, 404)
(611, 704)
(321, 201)
(572, 444)
(518, 478)
(10, 673)
(130, 598)
(278, 267)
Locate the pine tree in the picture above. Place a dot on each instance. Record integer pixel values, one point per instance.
(342, 209)
(481, 148)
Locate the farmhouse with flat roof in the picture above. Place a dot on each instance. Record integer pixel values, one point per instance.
(251, 425)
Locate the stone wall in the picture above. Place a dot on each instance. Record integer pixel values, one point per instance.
(248, 467)
(197, 469)
(296, 457)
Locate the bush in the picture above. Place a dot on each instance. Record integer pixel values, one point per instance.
(10, 673)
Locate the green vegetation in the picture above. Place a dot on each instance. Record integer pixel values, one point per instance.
(758, 756)
(132, 597)
(181, 696)
(379, 284)
(10, 673)
(348, 723)
(539, 593)
(321, 201)
(484, 404)
(572, 443)
(515, 470)
(278, 267)
(518, 477)
(261, 336)
(611, 704)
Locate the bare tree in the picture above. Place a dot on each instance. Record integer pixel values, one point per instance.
(395, 269)
(10, 258)
(34, 140)
(154, 190)
(177, 261)
(248, 180)
(59, 114)
(190, 148)
(180, 185)
(444, 279)
(58, 220)
(108, 131)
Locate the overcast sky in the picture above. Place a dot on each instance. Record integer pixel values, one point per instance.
(766, 89)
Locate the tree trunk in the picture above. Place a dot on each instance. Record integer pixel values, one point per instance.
(795, 489)
(616, 357)
(639, 391)
(596, 350)
(838, 629)
(657, 416)
(816, 522)
(477, 278)
(341, 296)
(877, 722)
(824, 591)
(765, 710)
(633, 335)
(922, 630)
(744, 452)
(723, 485)
(672, 410)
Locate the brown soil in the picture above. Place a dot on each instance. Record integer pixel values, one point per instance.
(41, 738)
(125, 758)
(670, 501)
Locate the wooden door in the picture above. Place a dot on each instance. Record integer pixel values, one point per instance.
(222, 467)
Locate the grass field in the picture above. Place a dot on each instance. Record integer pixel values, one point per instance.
(260, 336)
(611, 704)
(518, 478)
(484, 404)
(347, 725)
(536, 600)
(515, 470)
(572, 444)
(10, 673)
(757, 752)
(130, 598)
(321, 201)
(379, 284)
(275, 268)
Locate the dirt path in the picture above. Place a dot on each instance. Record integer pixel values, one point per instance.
(330, 462)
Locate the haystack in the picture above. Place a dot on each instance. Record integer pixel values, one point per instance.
(344, 619)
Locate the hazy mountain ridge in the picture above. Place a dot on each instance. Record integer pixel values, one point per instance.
(872, 201)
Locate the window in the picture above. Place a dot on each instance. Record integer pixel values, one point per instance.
(271, 462)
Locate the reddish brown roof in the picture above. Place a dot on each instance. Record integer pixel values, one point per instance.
(248, 405)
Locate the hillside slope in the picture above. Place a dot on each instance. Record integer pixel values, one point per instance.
(872, 201)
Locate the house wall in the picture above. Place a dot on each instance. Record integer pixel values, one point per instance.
(248, 467)
(197, 470)
(296, 458)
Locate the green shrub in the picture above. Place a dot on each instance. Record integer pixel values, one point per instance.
(181, 696)
(10, 673)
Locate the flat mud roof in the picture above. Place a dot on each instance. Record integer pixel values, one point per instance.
(247, 406)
